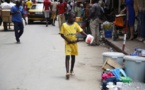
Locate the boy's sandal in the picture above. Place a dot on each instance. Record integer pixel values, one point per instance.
(72, 73)
(67, 76)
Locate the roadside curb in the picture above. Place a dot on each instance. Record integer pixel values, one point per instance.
(114, 46)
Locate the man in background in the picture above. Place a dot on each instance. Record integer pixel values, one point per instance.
(95, 15)
(62, 7)
(17, 13)
(28, 5)
(6, 5)
(46, 4)
(54, 11)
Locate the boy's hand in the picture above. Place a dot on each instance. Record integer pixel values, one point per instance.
(69, 42)
(72, 42)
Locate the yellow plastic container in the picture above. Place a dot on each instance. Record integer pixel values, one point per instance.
(78, 19)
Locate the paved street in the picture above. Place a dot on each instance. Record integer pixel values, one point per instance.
(38, 62)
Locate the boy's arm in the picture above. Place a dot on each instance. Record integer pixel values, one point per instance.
(83, 33)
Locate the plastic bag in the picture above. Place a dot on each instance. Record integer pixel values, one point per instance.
(107, 25)
(89, 39)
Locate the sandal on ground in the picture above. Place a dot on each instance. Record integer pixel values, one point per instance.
(67, 76)
(140, 39)
(72, 73)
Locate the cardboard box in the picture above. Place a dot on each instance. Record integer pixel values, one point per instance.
(6, 18)
(110, 64)
(6, 12)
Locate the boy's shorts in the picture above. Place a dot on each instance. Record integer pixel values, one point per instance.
(71, 49)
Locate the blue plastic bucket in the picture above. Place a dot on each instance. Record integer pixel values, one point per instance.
(108, 33)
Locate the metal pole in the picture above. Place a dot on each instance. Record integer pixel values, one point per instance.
(125, 34)
(125, 30)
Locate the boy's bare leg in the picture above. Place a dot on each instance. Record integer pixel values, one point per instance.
(67, 66)
(72, 63)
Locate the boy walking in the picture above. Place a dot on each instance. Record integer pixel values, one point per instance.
(68, 32)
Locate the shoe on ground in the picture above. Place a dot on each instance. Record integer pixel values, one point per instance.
(18, 42)
(140, 39)
(72, 73)
(67, 76)
(53, 24)
(46, 24)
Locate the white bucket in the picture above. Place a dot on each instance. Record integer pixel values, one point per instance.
(89, 39)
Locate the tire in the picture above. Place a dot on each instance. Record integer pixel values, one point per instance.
(30, 21)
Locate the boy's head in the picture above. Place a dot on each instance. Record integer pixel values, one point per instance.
(71, 17)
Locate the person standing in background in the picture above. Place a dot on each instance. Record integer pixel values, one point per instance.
(95, 15)
(17, 13)
(62, 7)
(69, 8)
(78, 9)
(87, 17)
(46, 4)
(130, 17)
(107, 6)
(54, 11)
(140, 13)
(28, 5)
(5, 5)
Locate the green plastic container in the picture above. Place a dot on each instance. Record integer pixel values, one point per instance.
(125, 79)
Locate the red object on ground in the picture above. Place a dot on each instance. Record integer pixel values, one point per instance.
(107, 75)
